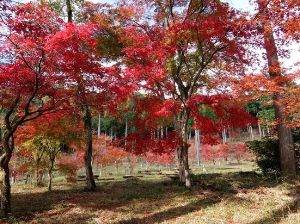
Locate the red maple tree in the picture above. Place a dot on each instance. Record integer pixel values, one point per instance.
(28, 87)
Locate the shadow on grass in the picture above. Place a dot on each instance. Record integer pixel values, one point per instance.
(279, 214)
(115, 194)
(173, 212)
(240, 180)
(109, 196)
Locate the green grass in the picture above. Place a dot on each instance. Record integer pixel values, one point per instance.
(222, 194)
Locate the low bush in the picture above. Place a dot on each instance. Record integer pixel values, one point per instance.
(267, 153)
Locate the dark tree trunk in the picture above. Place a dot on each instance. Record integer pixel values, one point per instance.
(90, 182)
(286, 144)
(182, 150)
(50, 180)
(5, 191)
(69, 11)
(50, 174)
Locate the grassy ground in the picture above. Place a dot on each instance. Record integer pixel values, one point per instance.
(223, 194)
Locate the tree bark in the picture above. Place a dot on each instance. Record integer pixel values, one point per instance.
(50, 180)
(5, 190)
(69, 11)
(90, 181)
(182, 150)
(197, 146)
(286, 144)
(39, 178)
(50, 174)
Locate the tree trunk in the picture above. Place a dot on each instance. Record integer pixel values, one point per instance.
(259, 130)
(101, 170)
(182, 150)
(197, 145)
(38, 174)
(50, 174)
(39, 178)
(184, 170)
(117, 167)
(69, 11)
(286, 144)
(27, 179)
(5, 191)
(50, 180)
(90, 182)
(99, 126)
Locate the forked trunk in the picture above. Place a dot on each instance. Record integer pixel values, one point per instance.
(90, 181)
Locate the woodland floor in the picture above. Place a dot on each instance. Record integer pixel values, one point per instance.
(224, 195)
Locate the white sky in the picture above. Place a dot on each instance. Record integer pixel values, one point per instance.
(246, 6)
(243, 5)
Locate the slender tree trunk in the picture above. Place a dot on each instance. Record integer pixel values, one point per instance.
(69, 11)
(39, 178)
(90, 182)
(99, 126)
(50, 174)
(101, 170)
(224, 137)
(259, 130)
(286, 144)
(182, 150)
(197, 145)
(117, 167)
(27, 179)
(251, 133)
(126, 132)
(50, 180)
(38, 174)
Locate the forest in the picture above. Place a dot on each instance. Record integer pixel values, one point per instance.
(150, 111)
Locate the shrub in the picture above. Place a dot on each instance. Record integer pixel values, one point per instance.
(296, 136)
(69, 165)
(267, 154)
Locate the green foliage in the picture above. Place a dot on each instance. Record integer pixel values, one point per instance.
(267, 114)
(262, 109)
(267, 154)
(109, 45)
(208, 112)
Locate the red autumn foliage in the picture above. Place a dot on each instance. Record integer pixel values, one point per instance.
(225, 151)
(105, 153)
(164, 159)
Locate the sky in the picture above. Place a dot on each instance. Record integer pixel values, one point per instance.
(246, 6)
(239, 4)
